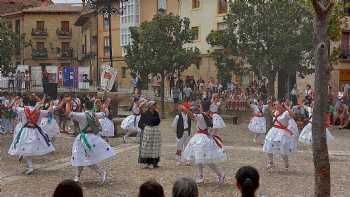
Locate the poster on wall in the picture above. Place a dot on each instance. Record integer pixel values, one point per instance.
(108, 77)
(52, 70)
(36, 76)
(83, 77)
(68, 77)
(60, 76)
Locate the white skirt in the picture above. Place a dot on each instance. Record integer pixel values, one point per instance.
(107, 127)
(279, 141)
(131, 123)
(218, 122)
(31, 143)
(202, 149)
(51, 128)
(257, 125)
(306, 135)
(100, 150)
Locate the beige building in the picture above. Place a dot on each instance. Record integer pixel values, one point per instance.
(136, 12)
(50, 37)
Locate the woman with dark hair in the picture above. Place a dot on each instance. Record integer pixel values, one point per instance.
(205, 148)
(150, 136)
(151, 188)
(89, 148)
(31, 139)
(68, 188)
(247, 179)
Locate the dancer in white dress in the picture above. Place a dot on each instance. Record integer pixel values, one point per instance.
(130, 123)
(50, 125)
(89, 148)
(306, 134)
(205, 148)
(182, 124)
(257, 124)
(31, 140)
(281, 138)
(106, 122)
(218, 122)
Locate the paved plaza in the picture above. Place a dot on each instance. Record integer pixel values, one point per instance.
(125, 175)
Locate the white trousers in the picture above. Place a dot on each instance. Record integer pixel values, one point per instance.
(181, 145)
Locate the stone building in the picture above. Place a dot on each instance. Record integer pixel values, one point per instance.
(49, 36)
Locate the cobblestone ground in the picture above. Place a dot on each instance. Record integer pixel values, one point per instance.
(125, 175)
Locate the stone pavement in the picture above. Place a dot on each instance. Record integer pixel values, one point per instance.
(125, 175)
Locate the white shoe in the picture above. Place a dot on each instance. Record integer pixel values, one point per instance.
(76, 179)
(270, 166)
(221, 179)
(104, 178)
(125, 140)
(29, 171)
(200, 180)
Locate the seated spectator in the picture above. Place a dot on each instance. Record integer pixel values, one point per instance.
(247, 179)
(342, 116)
(151, 188)
(185, 187)
(68, 188)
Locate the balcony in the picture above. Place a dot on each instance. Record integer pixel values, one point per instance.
(39, 53)
(64, 33)
(65, 53)
(39, 32)
(88, 56)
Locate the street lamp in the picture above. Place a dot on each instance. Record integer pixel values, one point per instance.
(105, 8)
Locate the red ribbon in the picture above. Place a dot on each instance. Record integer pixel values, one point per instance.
(216, 138)
(284, 128)
(32, 116)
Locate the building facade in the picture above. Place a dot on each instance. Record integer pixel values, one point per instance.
(49, 36)
(135, 12)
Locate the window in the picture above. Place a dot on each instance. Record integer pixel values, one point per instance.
(106, 46)
(124, 70)
(65, 26)
(40, 25)
(195, 31)
(40, 45)
(222, 6)
(221, 26)
(18, 26)
(344, 45)
(9, 25)
(65, 45)
(130, 18)
(195, 4)
(162, 4)
(105, 23)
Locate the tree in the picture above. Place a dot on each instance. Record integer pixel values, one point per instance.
(159, 47)
(322, 18)
(273, 37)
(8, 44)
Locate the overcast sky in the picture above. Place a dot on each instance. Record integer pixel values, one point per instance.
(67, 1)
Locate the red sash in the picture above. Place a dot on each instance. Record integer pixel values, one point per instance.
(32, 116)
(279, 125)
(216, 138)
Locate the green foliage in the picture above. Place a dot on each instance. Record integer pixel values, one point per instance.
(271, 36)
(158, 46)
(8, 44)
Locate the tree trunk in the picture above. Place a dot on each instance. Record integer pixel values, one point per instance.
(282, 84)
(322, 75)
(271, 94)
(162, 91)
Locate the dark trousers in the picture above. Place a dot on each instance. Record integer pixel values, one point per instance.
(11, 84)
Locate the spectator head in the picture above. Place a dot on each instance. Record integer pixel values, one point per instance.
(68, 188)
(247, 179)
(185, 187)
(88, 104)
(308, 86)
(151, 188)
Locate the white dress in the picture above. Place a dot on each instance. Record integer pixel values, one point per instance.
(29, 141)
(202, 148)
(218, 121)
(258, 123)
(107, 127)
(131, 122)
(306, 135)
(51, 127)
(81, 154)
(281, 141)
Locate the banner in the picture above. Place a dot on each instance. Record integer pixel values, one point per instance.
(36, 75)
(22, 68)
(108, 76)
(52, 70)
(84, 77)
(68, 77)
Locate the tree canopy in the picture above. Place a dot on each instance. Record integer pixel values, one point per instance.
(8, 44)
(162, 46)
